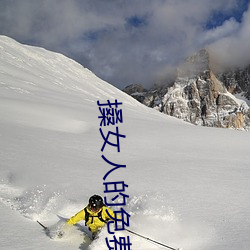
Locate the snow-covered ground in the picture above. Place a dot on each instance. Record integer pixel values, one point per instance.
(189, 186)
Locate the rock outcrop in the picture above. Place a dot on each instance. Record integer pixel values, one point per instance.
(199, 96)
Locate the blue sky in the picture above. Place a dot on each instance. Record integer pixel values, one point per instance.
(218, 17)
(131, 41)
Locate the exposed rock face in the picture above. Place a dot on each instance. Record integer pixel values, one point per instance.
(199, 97)
(137, 91)
(237, 81)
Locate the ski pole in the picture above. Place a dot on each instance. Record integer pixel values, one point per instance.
(45, 228)
(159, 243)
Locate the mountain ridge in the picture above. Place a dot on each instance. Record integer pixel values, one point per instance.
(201, 95)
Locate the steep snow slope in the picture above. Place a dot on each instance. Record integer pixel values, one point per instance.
(188, 186)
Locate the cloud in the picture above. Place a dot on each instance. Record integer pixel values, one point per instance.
(233, 49)
(124, 42)
(228, 28)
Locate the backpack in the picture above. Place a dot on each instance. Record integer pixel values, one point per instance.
(87, 217)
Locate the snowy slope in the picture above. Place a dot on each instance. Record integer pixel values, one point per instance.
(189, 186)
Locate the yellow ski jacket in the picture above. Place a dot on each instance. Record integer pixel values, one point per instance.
(93, 222)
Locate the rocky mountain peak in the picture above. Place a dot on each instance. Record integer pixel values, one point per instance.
(196, 64)
(200, 96)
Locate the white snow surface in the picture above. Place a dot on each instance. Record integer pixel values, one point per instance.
(189, 186)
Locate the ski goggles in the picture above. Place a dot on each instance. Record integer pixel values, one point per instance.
(94, 208)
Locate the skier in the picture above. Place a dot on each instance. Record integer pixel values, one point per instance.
(94, 214)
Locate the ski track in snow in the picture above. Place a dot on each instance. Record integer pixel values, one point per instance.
(148, 211)
(32, 204)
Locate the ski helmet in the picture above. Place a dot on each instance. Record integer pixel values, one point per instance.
(95, 202)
